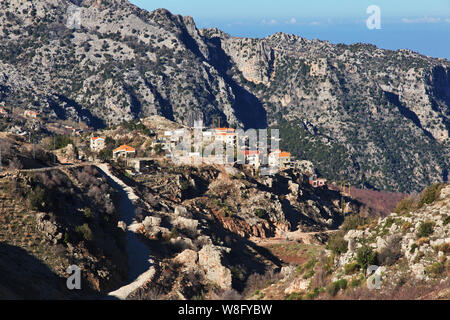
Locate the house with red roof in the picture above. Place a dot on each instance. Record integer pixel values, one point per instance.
(123, 151)
(252, 157)
(225, 135)
(280, 159)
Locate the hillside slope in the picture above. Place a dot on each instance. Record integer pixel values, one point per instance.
(411, 249)
(377, 118)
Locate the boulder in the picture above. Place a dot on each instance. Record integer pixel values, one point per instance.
(418, 270)
(48, 228)
(182, 212)
(151, 222)
(184, 223)
(188, 258)
(287, 272)
(293, 187)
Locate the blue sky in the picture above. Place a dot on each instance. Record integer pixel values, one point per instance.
(419, 25)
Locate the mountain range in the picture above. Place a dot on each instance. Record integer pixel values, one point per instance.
(372, 117)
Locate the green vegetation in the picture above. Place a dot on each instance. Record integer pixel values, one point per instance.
(425, 230)
(174, 233)
(308, 268)
(335, 287)
(430, 194)
(333, 160)
(366, 257)
(355, 282)
(330, 159)
(446, 220)
(61, 142)
(84, 231)
(158, 149)
(406, 226)
(413, 248)
(185, 185)
(105, 154)
(354, 222)
(389, 222)
(436, 269)
(294, 296)
(238, 272)
(260, 213)
(136, 125)
(38, 199)
(311, 295)
(351, 268)
(337, 244)
(404, 206)
(88, 214)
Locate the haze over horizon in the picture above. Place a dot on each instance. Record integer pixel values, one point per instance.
(415, 25)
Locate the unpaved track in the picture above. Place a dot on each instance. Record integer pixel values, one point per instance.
(139, 261)
(290, 237)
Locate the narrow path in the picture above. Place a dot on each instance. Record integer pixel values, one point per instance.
(139, 262)
(58, 167)
(289, 237)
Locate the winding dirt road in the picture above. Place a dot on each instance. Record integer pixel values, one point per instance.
(139, 261)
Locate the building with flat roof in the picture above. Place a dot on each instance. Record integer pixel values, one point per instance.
(225, 135)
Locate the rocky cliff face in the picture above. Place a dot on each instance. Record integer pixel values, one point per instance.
(385, 112)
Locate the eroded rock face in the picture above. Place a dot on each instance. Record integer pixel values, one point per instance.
(211, 258)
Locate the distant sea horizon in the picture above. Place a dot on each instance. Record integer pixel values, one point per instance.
(428, 40)
(424, 29)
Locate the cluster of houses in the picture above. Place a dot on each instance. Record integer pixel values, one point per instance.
(171, 142)
(226, 136)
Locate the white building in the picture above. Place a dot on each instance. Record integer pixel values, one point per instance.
(280, 159)
(207, 136)
(252, 157)
(97, 144)
(225, 135)
(198, 125)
